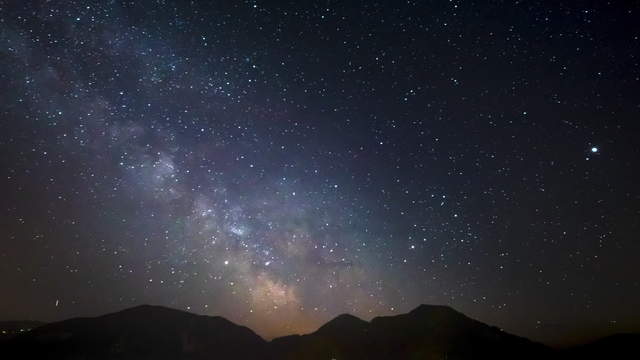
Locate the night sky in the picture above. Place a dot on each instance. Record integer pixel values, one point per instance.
(279, 163)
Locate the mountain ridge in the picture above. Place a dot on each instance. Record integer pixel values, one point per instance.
(158, 332)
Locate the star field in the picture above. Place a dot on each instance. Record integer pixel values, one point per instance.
(280, 163)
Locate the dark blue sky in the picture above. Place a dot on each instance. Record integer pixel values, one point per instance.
(281, 163)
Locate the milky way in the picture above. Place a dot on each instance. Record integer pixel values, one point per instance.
(279, 164)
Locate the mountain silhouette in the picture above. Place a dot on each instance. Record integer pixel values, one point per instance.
(619, 346)
(143, 332)
(427, 332)
(346, 336)
(154, 332)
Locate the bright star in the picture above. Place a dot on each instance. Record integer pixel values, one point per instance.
(594, 149)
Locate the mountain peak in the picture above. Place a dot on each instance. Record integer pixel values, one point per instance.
(425, 308)
(347, 318)
(148, 307)
(145, 310)
(343, 322)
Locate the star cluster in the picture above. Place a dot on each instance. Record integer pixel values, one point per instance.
(280, 163)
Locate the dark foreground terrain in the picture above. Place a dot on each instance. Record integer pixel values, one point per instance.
(11, 329)
(427, 332)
